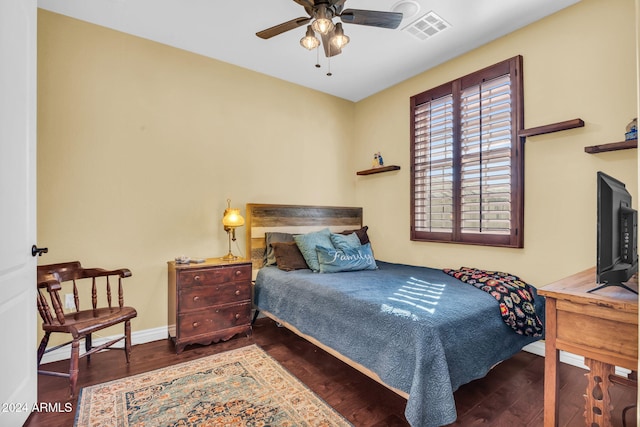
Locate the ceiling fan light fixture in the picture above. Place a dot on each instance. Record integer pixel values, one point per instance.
(339, 39)
(309, 41)
(322, 31)
(323, 23)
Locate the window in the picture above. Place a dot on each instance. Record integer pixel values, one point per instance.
(467, 160)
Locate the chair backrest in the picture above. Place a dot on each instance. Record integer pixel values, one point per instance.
(66, 270)
(50, 277)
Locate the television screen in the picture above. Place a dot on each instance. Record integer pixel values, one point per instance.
(617, 234)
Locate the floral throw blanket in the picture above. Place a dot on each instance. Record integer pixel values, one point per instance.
(515, 296)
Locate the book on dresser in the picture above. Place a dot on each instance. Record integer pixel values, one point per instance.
(209, 301)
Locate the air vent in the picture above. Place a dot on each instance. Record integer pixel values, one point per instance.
(426, 26)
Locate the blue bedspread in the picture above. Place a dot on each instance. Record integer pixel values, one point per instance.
(421, 330)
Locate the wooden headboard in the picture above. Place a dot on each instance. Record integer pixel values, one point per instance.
(296, 219)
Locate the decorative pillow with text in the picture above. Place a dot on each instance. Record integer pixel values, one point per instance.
(335, 260)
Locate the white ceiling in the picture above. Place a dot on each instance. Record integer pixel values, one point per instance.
(375, 59)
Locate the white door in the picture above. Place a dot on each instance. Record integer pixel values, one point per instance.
(18, 387)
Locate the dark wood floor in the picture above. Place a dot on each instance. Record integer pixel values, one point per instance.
(510, 395)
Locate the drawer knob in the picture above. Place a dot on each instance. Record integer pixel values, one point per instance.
(196, 298)
(196, 324)
(237, 291)
(238, 272)
(237, 316)
(196, 278)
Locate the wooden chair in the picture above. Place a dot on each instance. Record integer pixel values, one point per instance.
(80, 324)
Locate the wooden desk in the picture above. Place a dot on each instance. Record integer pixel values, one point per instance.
(601, 326)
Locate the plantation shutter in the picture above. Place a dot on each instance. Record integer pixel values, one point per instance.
(485, 158)
(466, 159)
(433, 165)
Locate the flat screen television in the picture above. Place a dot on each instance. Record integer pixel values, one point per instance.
(617, 243)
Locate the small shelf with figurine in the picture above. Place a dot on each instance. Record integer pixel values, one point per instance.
(378, 170)
(377, 166)
(630, 141)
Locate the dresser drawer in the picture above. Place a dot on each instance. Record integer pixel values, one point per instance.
(213, 276)
(198, 297)
(205, 321)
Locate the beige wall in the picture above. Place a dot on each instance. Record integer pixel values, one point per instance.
(140, 144)
(578, 63)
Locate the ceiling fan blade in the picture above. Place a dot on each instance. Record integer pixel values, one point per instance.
(372, 18)
(284, 27)
(329, 49)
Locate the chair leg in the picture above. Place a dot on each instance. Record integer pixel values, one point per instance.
(73, 368)
(43, 346)
(87, 346)
(127, 340)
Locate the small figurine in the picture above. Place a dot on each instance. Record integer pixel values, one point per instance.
(376, 161)
(632, 130)
(380, 161)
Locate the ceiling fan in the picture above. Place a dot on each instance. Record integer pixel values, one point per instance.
(321, 14)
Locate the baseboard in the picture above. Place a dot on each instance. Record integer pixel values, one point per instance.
(568, 358)
(138, 337)
(160, 333)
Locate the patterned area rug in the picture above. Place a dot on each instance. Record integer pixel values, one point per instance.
(243, 387)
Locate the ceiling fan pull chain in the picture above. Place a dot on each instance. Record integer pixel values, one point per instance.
(317, 57)
(329, 62)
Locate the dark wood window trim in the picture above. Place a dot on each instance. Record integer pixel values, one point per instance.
(454, 227)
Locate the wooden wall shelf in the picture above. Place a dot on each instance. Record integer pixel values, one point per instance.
(378, 170)
(613, 146)
(555, 127)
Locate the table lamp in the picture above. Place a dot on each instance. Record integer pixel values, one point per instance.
(231, 219)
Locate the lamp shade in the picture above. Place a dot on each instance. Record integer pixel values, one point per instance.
(323, 26)
(310, 41)
(232, 218)
(323, 23)
(339, 40)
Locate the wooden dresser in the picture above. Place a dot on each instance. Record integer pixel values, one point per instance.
(602, 326)
(208, 302)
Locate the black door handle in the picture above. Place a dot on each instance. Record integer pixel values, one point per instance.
(36, 251)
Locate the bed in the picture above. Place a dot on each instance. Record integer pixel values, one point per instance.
(417, 330)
